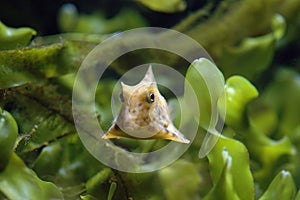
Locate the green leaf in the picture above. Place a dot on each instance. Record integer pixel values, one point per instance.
(229, 161)
(88, 197)
(70, 20)
(223, 188)
(252, 55)
(285, 105)
(268, 152)
(279, 26)
(204, 80)
(112, 190)
(8, 136)
(18, 182)
(49, 161)
(207, 82)
(67, 17)
(280, 99)
(93, 184)
(298, 195)
(263, 117)
(282, 187)
(167, 6)
(11, 38)
(41, 113)
(180, 180)
(18, 67)
(65, 162)
(41, 61)
(238, 93)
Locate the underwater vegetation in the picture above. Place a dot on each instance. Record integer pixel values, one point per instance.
(256, 81)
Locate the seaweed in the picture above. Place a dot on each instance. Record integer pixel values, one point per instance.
(248, 137)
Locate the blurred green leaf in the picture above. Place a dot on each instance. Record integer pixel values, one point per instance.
(278, 26)
(48, 142)
(263, 117)
(36, 63)
(18, 182)
(112, 189)
(180, 180)
(250, 58)
(275, 114)
(88, 197)
(67, 17)
(229, 161)
(137, 185)
(93, 185)
(282, 187)
(11, 38)
(286, 83)
(298, 195)
(252, 55)
(49, 161)
(167, 6)
(205, 80)
(64, 163)
(238, 93)
(223, 188)
(8, 136)
(41, 112)
(267, 152)
(70, 20)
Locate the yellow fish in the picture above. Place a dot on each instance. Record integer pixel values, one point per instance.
(144, 114)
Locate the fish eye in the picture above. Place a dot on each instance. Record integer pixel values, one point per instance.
(121, 97)
(151, 97)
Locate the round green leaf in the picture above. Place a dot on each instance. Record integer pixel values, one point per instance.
(8, 136)
(11, 38)
(282, 187)
(238, 93)
(17, 182)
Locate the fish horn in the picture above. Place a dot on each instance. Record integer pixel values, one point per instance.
(149, 76)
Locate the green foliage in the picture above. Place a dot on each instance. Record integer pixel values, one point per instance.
(238, 93)
(8, 136)
(70, 20)
(189, 181)
(256, 157)
(166, 6)
(282, 187)
(230, 171)
(11, 38)
(274, 140)
(253, 55)
(19, 182)
(208, 84)
(36, 63)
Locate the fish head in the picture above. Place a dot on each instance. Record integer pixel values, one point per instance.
(142, 106)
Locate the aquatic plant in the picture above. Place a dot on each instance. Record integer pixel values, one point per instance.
(255, 157)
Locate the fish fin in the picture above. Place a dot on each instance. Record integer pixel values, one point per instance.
(113, 132)
(171, 133)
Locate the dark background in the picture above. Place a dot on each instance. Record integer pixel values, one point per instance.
(42, 15)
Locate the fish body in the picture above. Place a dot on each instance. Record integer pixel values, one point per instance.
(144, 113)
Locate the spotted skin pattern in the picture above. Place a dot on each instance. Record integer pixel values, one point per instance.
(144, 113)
